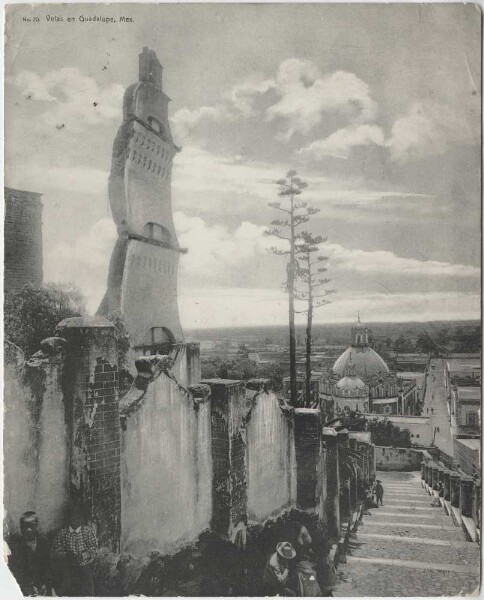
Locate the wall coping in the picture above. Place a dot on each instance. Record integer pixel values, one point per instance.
(223, 382)
(94, 322)
(307, 411)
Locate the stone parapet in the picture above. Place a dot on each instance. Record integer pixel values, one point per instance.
(91, 395)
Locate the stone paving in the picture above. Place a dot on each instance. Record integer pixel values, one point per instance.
(416, 553)
(436, 403)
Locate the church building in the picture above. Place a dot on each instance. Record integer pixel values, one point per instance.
(361, 381)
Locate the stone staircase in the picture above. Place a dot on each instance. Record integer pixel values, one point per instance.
(408, 548)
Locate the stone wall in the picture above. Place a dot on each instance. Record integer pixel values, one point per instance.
(397, 459)
(166, 498)
(62, 428)
(23, 239)
(91, 397)
(307, 440)
(229, 410)
(271, 458)
(35, 439)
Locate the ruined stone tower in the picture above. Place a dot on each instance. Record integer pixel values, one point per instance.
(142, 281)
(23, 239)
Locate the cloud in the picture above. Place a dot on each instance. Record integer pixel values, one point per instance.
(231, 183)
(305, 96)
(69, 179)
(242, 307)
(384, 262)
(221, 260)
(185, 121)
(74, 101)
(340, 143)
(302, 95)
(216, 254)
(84, 261)
(238, 104)
(219, 254)
(428, 128)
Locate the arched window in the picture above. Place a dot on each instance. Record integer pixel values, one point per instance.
(157, 232)
(156, 125)
(161, 340)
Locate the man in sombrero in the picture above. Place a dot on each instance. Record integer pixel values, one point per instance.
(276, 572)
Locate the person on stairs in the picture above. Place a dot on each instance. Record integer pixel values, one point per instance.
(379, 492)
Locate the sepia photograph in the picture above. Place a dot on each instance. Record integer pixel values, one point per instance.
(242, 300)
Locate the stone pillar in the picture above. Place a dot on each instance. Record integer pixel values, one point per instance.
(229, 484)
(91, 385)
(422, 470)
(447, 485)
(194, 369)
(455, 489)
(330, 439)
(466, 492)
(307, 441)
(345, 479)
(476, 505)
(441, 480)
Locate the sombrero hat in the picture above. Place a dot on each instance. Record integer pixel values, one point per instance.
(285, 550)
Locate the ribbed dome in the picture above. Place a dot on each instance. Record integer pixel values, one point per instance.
(352, 387)
(364, 361)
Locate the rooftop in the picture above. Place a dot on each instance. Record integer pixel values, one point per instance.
(472, 444)
(469, 392)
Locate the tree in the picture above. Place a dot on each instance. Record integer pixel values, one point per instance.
(402, 345)
(309, 273)
(385, 433)
(425, 343)
(32, 313)
(240, 368)
(297, 213)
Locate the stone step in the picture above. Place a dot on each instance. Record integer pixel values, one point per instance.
(417, 564)
(416, 540)
(435, 532)
(420, 507)
(377, 580)
(444, 553)
(409, 516)
(397, 501)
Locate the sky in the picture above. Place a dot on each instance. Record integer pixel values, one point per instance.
(377, 108)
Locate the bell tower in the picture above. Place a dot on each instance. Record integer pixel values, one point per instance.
(142, 280)
(359, 334)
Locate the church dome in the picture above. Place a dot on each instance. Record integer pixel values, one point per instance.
(351, 387)
(364, 361)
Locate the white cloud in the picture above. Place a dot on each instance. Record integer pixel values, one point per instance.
(384, 262)
(220, 260)
(237, 104)
(219, 254)
(69, 179)
(196, 170)
(303, 95)
(238, 307)
(339, 143)
(185, 120)
(428, 128)
(84, 261)
(75, 101)
(33, 86)
(306, 96)
(216, 254)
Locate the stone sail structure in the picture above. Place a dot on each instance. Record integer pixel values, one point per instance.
(142, 280)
